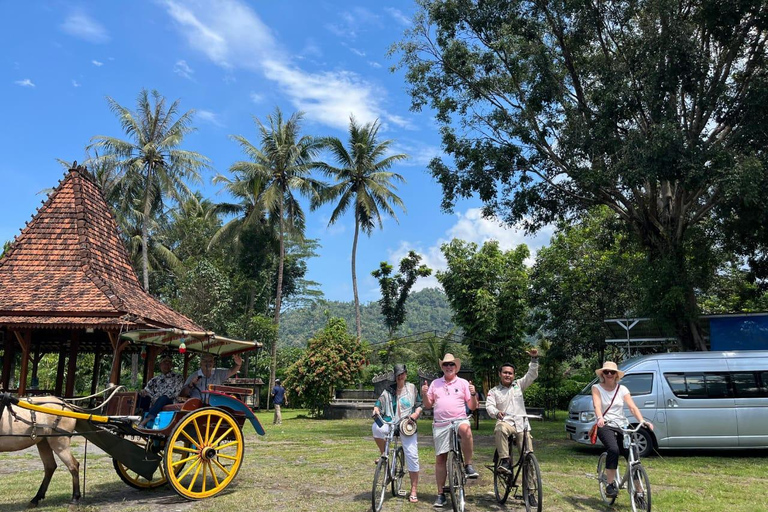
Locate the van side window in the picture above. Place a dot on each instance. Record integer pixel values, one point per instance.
(638, 383)
(746, 386)
(699, 385)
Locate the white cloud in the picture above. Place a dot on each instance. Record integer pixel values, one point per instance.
(84, 27)
(374, 64)
(232, 36)
(471, 227)
(357, 52)
(75, 83)
(25, 83)
(182, 69)
(419, 154)
(349, 23)
(97, 63)
(257, 98)
(209, 117)
(398, 16)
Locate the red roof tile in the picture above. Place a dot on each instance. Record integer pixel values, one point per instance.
(69, 266)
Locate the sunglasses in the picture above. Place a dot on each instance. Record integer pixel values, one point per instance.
(609, 372)
(449, 364)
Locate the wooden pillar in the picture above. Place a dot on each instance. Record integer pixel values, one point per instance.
(36, 358)
(152, 353)
(96, 369)
(8, 356)
(25, 340)
(74, 347)
(117, 352)
(60, 372)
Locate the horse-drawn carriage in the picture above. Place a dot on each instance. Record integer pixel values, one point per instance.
(197, 451)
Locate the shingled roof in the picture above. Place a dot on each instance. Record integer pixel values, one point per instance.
(69, 269)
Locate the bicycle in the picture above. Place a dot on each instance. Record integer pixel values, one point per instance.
(635, 477)
(390, 469)
(457, 477)
(528, 465)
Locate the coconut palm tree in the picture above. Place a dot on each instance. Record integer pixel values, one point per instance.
(363, 181)
(152, 167)
(278, 168)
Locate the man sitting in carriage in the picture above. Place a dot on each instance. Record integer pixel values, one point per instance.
(208, 375)
(161, 390)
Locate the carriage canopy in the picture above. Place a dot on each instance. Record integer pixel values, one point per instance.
(194, 341)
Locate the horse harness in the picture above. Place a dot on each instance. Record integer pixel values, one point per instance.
(6, 403)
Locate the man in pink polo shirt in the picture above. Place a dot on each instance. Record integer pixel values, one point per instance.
(448, 397)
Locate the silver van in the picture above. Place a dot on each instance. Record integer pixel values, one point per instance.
(694, 399)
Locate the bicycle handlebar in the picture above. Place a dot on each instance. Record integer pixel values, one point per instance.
(632, 430)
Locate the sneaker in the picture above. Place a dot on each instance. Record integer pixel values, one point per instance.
(440, 501)
(505, 467)
(532, 500)
(470, 471)
(611, 491)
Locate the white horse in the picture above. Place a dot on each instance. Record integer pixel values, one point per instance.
(21, 428)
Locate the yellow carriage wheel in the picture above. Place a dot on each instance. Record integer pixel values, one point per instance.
(203, 454)
(137, 481)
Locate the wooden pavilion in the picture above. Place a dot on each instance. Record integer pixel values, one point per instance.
(67, 287)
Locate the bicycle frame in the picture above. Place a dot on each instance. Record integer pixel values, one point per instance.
(456, 476)
(389, 462)
(640, 499)
(527, 486)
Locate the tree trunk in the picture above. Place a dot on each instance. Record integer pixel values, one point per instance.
(278, 299)
(145, 240)
(354, 280)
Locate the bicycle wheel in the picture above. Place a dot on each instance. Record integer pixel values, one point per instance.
(456, 480)
(639, 489)
(601, 479)
(532, 493)
(398, 470)
(502, 482)
(380, 482)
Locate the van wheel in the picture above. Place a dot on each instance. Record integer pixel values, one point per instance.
(644, 442)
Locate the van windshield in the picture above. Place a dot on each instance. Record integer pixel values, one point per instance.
(588, 388)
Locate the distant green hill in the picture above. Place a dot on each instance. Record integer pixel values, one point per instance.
(428, 310)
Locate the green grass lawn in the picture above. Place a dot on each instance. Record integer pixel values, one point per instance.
(309, 465)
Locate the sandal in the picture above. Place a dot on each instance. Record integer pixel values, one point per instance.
(413, 499)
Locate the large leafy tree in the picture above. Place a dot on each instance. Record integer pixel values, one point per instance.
(487, 289)
(364, 183)
(152, 165)
(279, 169)
(654, 109)
(589, 272)
(395, 289)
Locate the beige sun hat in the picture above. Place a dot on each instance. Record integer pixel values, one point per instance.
(407, 426)
(609, 365)
(448, 358)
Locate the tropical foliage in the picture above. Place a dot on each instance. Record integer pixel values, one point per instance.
(334, 359)
(151, 164)
(364, 183)
(395, 289)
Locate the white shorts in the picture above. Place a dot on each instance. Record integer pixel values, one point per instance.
(442, 436)
(410, 445)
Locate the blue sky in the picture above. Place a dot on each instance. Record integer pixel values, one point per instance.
(229, 60)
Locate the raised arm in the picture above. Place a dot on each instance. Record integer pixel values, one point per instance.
(236, 368)
(533, 370)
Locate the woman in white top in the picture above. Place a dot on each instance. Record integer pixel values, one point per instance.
(395, 404)
(609, 398)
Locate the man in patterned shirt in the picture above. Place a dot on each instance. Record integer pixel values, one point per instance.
(161, 390)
